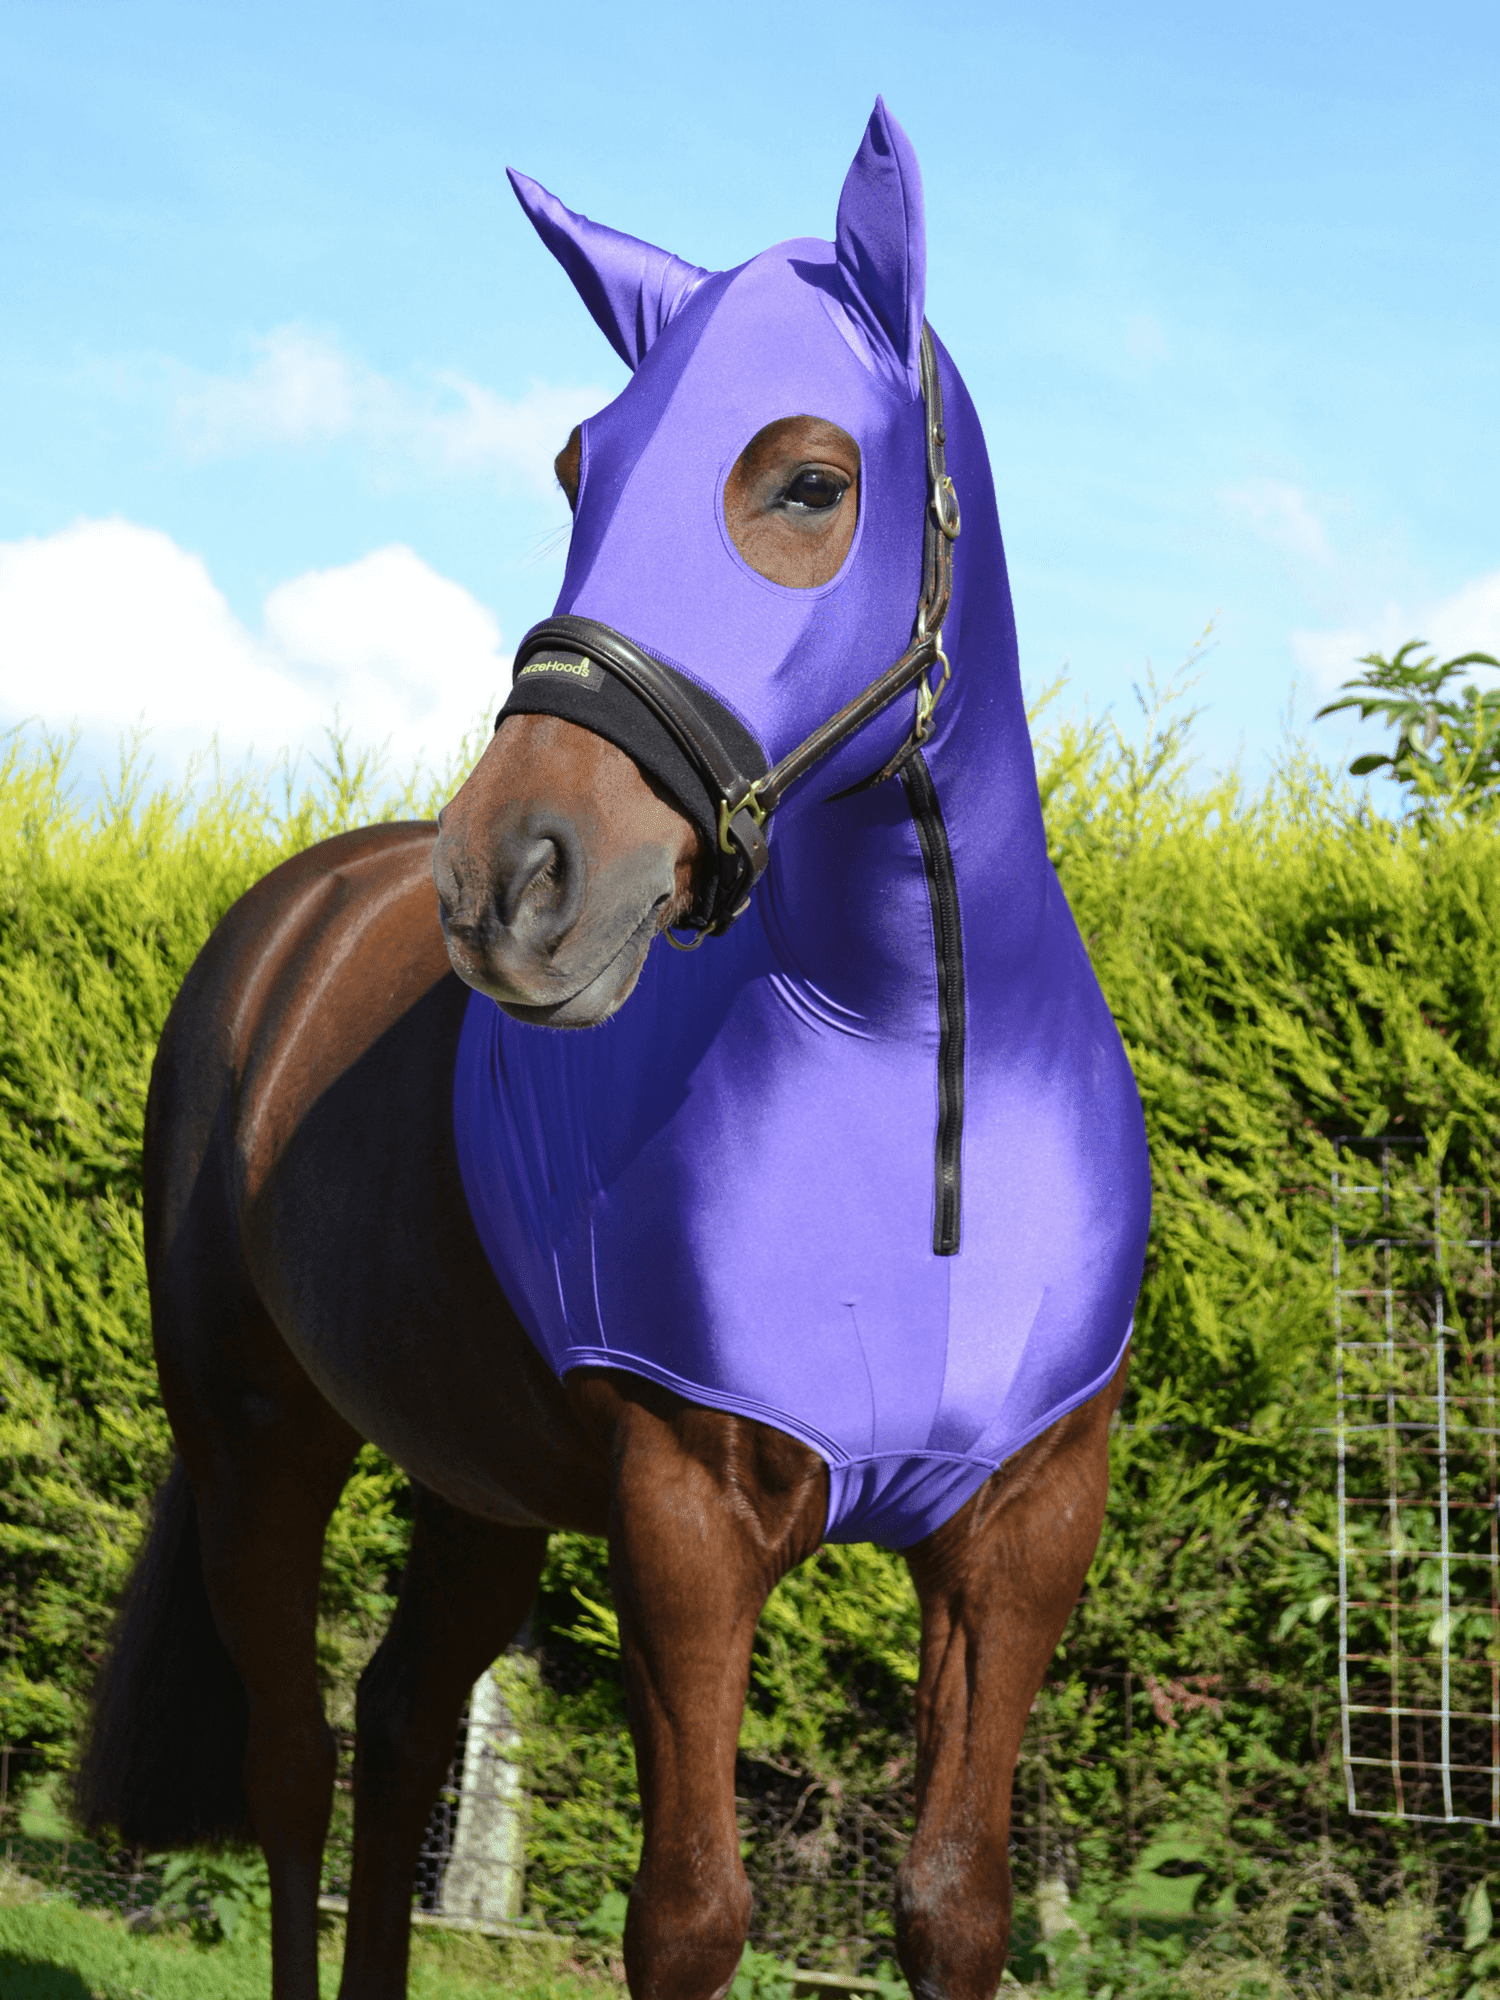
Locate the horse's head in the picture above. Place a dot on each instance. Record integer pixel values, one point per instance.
(747, 554)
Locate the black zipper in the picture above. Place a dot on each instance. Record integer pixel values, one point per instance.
(942, 887)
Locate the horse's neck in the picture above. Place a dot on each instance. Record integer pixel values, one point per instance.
(851, 907)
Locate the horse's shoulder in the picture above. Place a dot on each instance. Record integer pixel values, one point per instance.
(307, 971)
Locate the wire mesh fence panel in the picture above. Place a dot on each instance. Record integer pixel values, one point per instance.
(1418, 1529)
(822, 1867)
(38, 1842)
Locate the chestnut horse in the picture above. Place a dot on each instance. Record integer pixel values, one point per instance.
(319, 1274)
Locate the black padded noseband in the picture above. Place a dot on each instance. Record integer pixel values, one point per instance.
(678, 733)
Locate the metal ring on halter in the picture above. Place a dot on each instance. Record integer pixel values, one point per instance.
(945, 507)
(928, 696)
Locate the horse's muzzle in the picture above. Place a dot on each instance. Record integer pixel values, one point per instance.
(555, 866)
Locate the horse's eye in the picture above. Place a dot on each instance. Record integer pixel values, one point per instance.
(816, 490)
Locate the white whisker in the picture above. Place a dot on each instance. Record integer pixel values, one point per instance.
(549, 545)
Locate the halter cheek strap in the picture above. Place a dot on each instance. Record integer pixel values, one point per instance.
(699, 727)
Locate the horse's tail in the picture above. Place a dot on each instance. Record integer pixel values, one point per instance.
(163, 1766)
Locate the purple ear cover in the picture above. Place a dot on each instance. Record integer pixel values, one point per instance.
(881, 245)
(631, 288)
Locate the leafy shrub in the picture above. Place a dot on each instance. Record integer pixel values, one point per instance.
(217, 1895)
(1287, 965)
(1447, 752)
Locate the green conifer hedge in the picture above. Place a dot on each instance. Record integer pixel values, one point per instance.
(1287, 965)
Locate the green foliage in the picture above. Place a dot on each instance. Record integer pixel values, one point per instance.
(1285, 968)
(606, 1923)
(1281, 1951)
(1446, 752)
(218, 1895)
(761, 1977)
(1286, 965)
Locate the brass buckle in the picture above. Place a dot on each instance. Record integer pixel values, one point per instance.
(928, 696)
(945, 507)
(727, 812)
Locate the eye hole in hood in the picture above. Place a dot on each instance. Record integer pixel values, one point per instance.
(791, 501)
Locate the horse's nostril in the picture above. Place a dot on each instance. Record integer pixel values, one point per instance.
(532, 869)
(539, 884)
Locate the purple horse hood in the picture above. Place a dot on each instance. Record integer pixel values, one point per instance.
(870, 1167)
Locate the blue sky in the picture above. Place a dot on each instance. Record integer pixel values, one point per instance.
(282, 366)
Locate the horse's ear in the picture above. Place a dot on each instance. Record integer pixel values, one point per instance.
(631, 288)
(881, 241)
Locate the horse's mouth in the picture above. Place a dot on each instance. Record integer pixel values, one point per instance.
(596, 995)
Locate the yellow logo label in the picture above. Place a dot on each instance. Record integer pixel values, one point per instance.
(580, 669)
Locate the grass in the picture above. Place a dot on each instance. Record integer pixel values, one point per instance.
(51, 1951)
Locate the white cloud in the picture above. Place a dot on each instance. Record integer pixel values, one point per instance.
(107, 624)
(405, 652)
(488, 433)
(106, 620)
(302, 388)
(1467, 621)
(1278, 514)
(1329, 658)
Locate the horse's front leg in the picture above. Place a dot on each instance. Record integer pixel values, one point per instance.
(996, 1585)
(707, 1512)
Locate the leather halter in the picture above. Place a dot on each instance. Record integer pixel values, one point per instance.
(744, 803)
